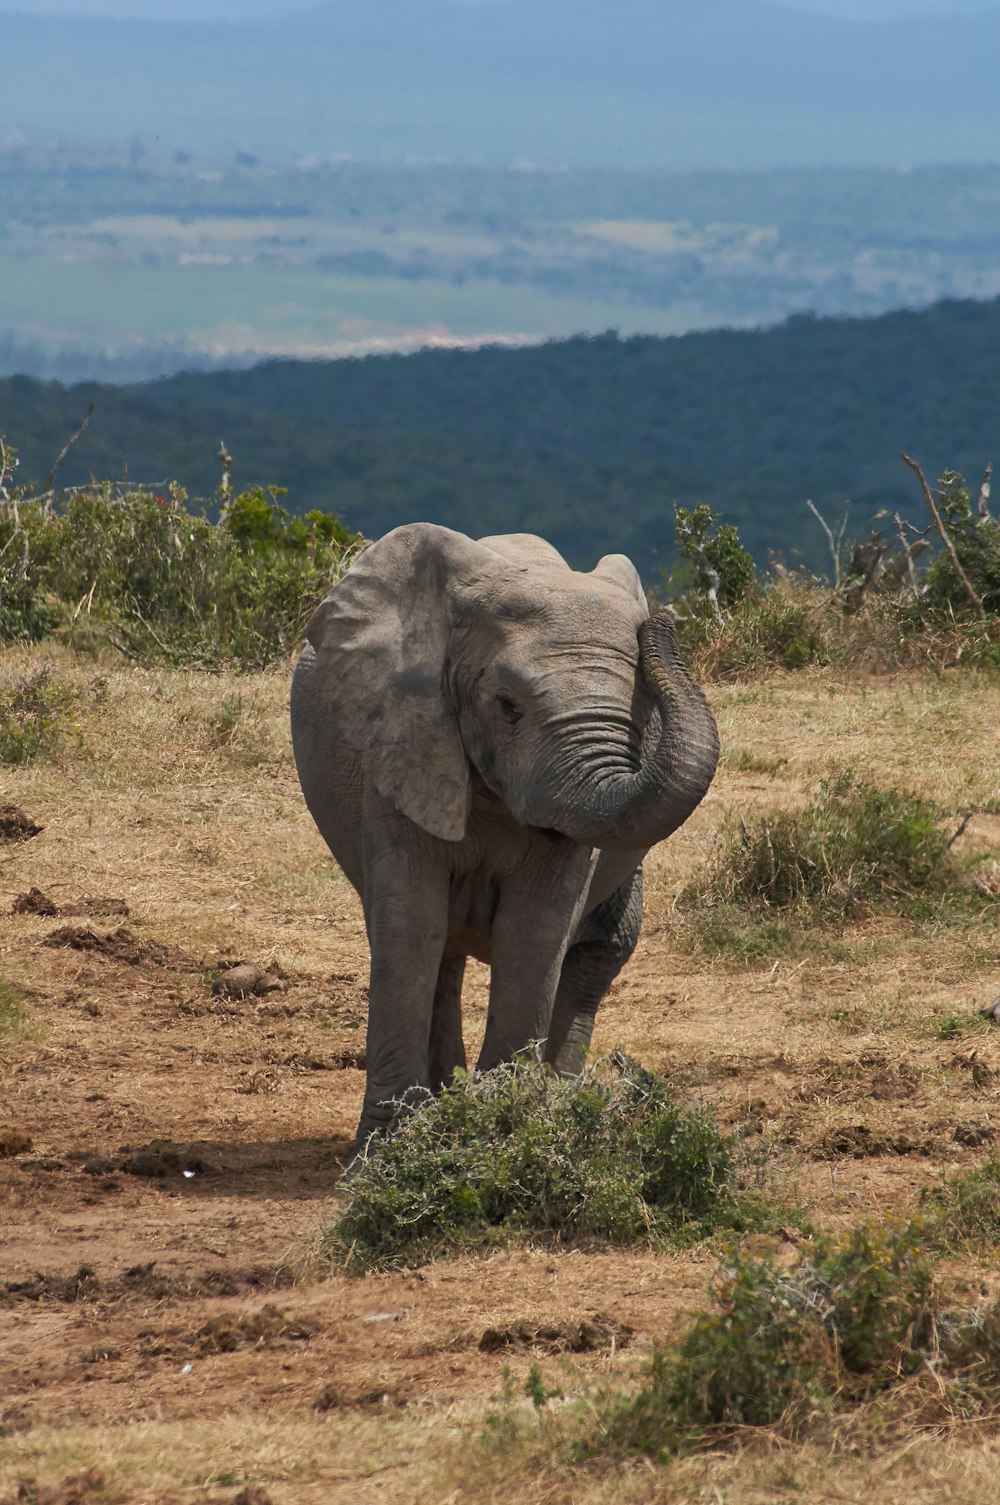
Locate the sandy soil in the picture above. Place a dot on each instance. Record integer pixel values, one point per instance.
(169, 1156)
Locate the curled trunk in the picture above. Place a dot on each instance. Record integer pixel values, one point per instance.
(627, 812)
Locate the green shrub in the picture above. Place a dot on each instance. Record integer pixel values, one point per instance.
(858, 844)
(977, 544)
(713, 552)
(854, 1316)
(520, 1153)
(33, 717)
(160, 580)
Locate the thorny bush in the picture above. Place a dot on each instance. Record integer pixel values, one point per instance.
(519, 1153)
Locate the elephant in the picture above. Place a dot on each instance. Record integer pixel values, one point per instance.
(489, 742)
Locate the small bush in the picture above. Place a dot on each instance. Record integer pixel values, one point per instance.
(520, 1153)
(789, 623)
(964, 1212)
(33, 713)
(853, 1317)
(714, 553)
(859, 844)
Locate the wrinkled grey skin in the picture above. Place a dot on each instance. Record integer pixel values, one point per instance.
(490, 742)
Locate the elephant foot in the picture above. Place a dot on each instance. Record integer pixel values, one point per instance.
(381, 1116)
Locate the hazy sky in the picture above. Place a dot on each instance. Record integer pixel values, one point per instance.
(251, 9)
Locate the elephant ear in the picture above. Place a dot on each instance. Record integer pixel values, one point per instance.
(381, 640)
(620, 569)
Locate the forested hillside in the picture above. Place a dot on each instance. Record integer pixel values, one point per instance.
(588, 441)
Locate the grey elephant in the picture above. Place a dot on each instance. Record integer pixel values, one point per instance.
(490, 742)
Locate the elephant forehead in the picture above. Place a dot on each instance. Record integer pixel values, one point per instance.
(573, 607)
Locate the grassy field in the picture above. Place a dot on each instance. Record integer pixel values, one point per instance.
(214, 304)
(169, 1156)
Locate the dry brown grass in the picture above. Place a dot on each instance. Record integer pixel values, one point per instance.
(191, 813)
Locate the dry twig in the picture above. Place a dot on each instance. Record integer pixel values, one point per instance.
(984, 493)
(834, 543)
(945, 538)
(68, 446)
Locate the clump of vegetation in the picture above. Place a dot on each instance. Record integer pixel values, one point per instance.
(858, 845)
(854, 1319)
(975, 534)
(13, 1013)
(715, 555)
(965, 1210)
(33, 717)
(857, 1320)
(519, 1153)
(893, 601)
(158, 578)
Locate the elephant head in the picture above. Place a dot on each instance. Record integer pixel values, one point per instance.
(447, 658)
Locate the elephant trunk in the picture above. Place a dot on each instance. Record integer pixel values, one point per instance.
(631, 811)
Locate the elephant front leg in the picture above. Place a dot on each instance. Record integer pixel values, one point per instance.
(406, 911)
(538, 914)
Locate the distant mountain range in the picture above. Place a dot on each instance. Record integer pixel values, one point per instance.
(587, 441)
(637, 83)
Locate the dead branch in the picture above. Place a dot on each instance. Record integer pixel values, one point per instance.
(903, 568)
(984, 494)
(865, 570)
(834, 543)
(68, 446)
(945, 539)
(20, 532)
(8, 465)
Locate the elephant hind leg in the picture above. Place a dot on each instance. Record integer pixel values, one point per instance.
(605, 942)
(447, 1050)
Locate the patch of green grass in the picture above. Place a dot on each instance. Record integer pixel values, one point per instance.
(33, 717)
(955, 1026)
(879, 1014)
(858, 846)
(727, 930)
(521, 1154)
(224, 722)
(964, 1211)
(14, 1020)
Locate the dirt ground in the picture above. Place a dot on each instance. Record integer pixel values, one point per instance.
(169, 1154)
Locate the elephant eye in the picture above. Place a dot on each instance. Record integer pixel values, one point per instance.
(508, 709)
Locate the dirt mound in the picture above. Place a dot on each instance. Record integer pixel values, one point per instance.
(145, 1281)
(39, 903)
(269, 1328)
(34, 902)
(15, 825)
(13, 1141)
(162, 1157)
(590, 1333)
(120, 945)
